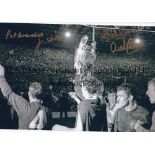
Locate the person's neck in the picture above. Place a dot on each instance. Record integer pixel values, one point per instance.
(34, 100)
(111, 106)
(131, 106)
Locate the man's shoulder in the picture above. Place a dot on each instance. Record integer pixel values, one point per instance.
(142, 109)
(120, 112)
(35, 105)
(153, 114)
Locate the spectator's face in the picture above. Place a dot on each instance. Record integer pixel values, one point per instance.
(112, 98)
(151, 93)
(122, 98)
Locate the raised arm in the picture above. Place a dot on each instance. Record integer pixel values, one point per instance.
(18, 102)
(74, 96)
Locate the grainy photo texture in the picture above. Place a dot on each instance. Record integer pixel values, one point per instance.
(64, 77)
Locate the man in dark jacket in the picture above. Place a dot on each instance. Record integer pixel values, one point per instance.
(90, 111)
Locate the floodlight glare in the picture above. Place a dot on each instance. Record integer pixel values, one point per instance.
(137, 41)
(67, 34)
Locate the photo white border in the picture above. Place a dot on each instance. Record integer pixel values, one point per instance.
(98, 12)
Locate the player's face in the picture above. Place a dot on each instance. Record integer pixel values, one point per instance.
(151, 93)
(112, 98)
(122, 98)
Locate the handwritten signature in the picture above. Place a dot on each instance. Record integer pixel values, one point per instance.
(129, 46)
(48, 40)
(117, 34)
(36, 35)
(19, 35)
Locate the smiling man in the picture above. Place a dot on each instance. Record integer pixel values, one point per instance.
(130, 111)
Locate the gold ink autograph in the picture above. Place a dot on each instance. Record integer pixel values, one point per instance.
(37, 35)
(128, 45)
(19, 35)
(117, 34)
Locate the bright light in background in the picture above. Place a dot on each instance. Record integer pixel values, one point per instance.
(137, 40)
(67, 34)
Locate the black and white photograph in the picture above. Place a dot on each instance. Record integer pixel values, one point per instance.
(77, 77)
